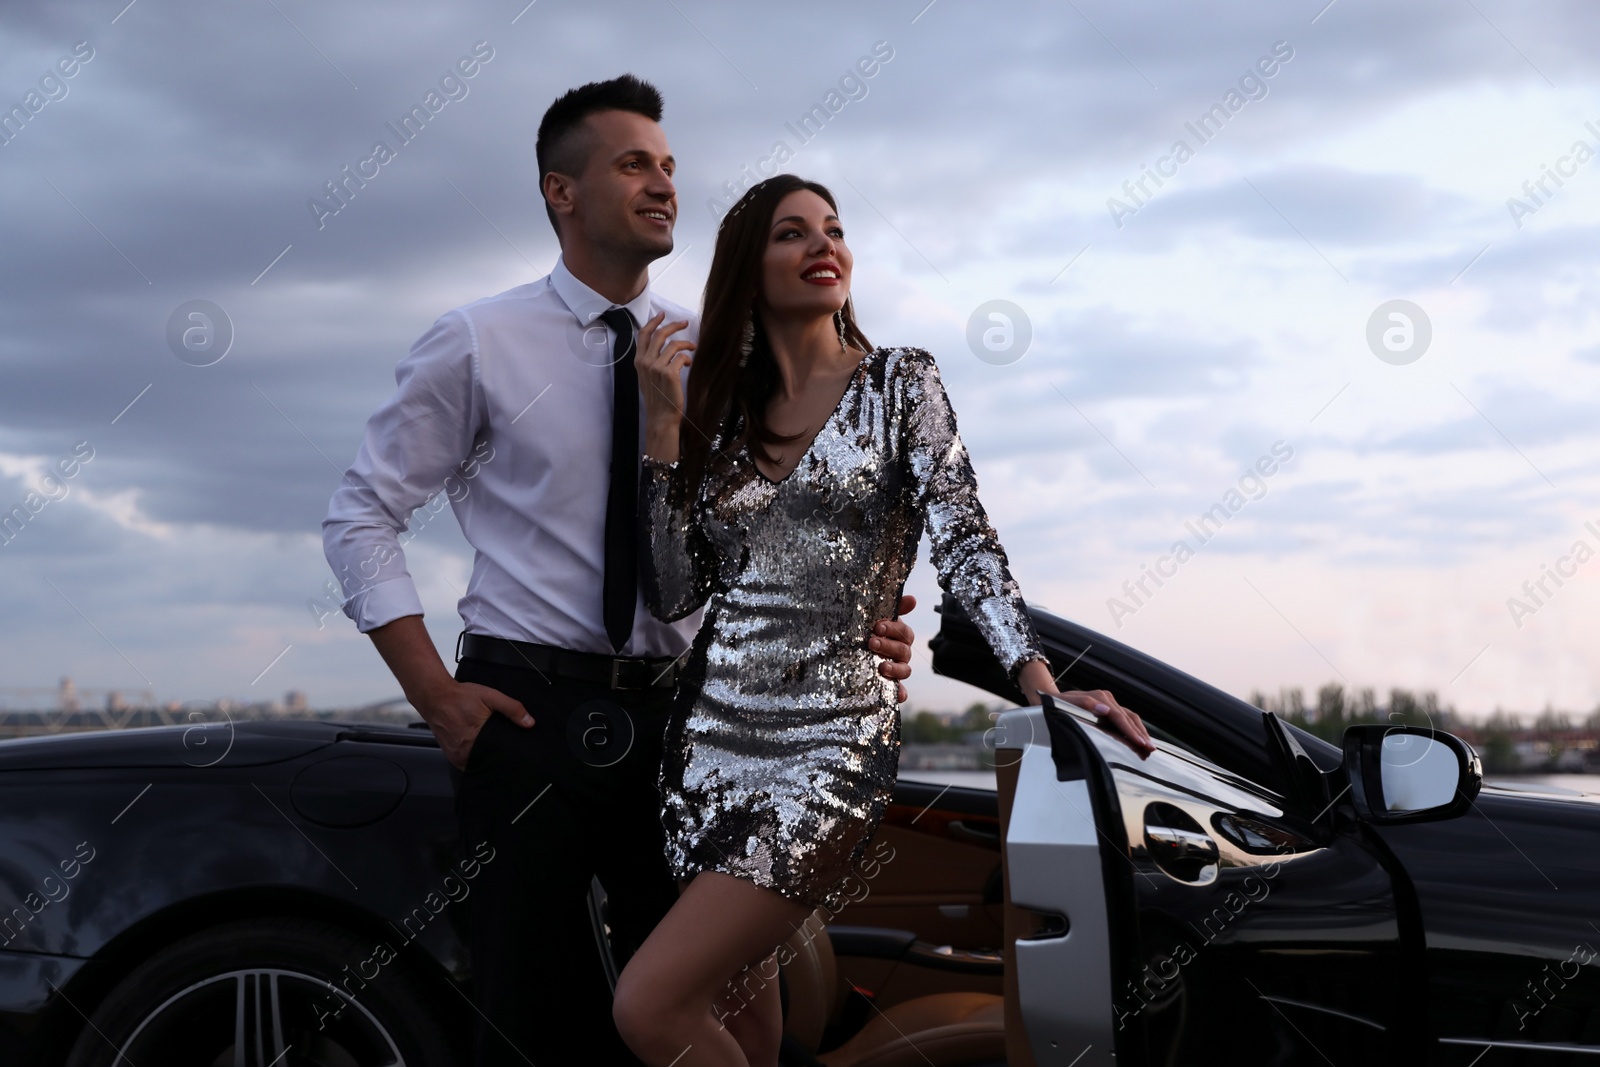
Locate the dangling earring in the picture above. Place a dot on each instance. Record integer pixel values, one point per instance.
(747, 341)
(838, 321)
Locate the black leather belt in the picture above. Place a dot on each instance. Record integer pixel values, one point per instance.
(614, 672)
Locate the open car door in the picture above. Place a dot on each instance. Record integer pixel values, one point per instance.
(1226, 928)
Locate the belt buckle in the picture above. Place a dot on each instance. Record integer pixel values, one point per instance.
(616, 673)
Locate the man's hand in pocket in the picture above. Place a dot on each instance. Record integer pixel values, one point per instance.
(456, 713)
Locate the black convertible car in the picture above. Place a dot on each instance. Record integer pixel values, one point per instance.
(266, 894)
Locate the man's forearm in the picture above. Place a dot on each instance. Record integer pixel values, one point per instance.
(406, 647)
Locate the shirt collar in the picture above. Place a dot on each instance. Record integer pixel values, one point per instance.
(587, 304)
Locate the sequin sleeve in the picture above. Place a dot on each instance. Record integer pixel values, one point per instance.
(676, 567)
(966, 551)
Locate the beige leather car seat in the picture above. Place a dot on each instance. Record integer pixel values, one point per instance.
(942, 1029)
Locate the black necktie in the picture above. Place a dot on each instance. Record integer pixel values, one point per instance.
(621, 584)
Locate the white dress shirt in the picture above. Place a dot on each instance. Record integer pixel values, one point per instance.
(505, 406)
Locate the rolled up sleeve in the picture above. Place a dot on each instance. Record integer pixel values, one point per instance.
(412, 443)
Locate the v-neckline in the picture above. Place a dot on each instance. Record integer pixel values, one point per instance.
(837, 407)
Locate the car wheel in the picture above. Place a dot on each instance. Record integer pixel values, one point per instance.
(268, 993)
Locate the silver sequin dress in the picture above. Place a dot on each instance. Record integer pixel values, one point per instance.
(780, 756)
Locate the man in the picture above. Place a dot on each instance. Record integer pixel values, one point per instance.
(553, 719)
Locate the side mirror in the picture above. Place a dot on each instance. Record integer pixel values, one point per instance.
(1409, 773)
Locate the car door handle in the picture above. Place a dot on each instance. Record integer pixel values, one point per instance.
(1186, 852)
(976, 833)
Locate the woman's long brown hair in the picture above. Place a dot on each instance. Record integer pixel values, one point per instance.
(722, 395)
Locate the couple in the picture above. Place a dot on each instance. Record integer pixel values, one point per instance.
(682, 652)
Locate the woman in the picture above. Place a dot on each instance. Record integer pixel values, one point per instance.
(787, 492)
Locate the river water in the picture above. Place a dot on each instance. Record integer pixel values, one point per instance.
(1581, 783)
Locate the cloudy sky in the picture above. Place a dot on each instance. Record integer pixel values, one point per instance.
(1189, 313)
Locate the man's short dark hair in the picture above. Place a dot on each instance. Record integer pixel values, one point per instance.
(558, 147)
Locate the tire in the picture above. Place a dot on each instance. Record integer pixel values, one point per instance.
(292, 989)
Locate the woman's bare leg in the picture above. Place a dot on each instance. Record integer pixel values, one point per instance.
(753, 1012)
(751, 1009)
(665, 996)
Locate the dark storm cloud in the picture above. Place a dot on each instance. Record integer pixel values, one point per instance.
(180, 162)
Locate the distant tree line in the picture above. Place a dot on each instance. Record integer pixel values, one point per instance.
(925, 727)
(1494, 738)
(1336, 708)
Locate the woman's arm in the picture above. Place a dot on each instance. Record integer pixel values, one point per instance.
(676, 576)
(677, 560)
(966, 551)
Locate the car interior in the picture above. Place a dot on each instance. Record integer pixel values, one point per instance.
(916, 970)
(910, 970)
(913, 970)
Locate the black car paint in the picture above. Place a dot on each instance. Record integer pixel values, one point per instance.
(188, 827)
(1492, 912)
(181, 842)
(1510, 897)
(1265, 955)
(1494, 915)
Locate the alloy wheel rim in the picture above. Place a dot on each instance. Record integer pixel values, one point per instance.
(261, 1017)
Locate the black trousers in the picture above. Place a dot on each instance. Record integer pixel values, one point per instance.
(574, 796)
